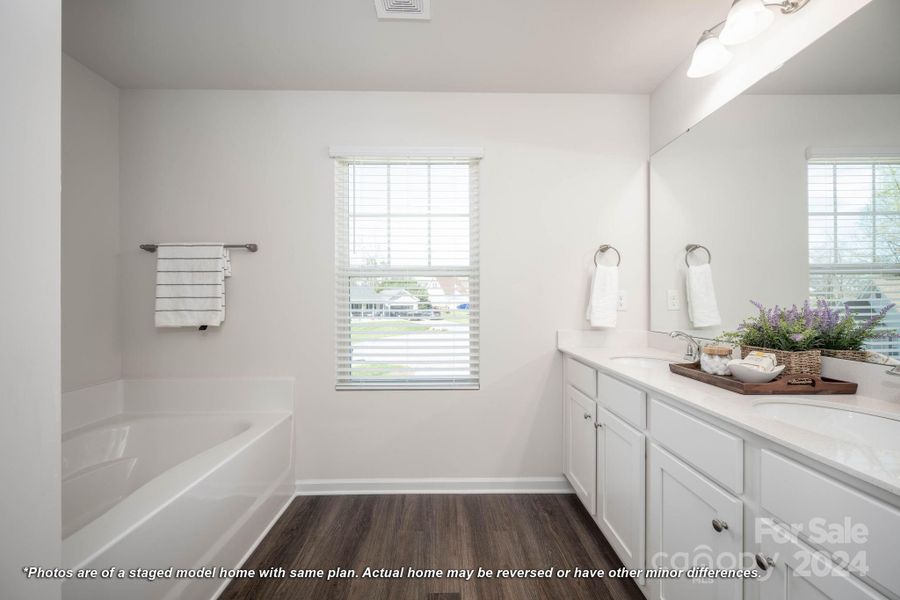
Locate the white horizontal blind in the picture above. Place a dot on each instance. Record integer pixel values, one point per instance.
(406, 237)
(854, 237)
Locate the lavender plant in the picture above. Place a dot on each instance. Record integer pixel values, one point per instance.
(806, 327)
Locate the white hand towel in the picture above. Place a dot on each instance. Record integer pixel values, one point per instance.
(190, 284)
(604, 301)
(703, 309)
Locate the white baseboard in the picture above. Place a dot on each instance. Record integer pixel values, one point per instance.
(473, 485)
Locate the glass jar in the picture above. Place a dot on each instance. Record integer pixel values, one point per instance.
(714, 359)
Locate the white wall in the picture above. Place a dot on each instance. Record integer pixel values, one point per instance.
(29, 304)
(561, 175)
(91, 344)
(679, 103)
(737, 184)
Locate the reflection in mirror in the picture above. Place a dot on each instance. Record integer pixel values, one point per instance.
(794, 187)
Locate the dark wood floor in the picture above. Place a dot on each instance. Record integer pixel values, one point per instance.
(434, 532)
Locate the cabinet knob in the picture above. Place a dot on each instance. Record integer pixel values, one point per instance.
(587, 416)
(764, 562)
(598, 425)
(719, 525)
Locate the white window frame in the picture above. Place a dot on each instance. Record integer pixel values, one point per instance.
(345, 272)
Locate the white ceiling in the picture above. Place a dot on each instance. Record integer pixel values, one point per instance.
(860, 56)
(469, 45)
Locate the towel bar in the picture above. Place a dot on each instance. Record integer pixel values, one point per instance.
(691, 247)
(250, 247)
(606, 248)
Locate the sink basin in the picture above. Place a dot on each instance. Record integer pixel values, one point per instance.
(641, 361)
(847, 425)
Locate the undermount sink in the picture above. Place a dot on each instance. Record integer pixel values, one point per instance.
(641, 361)
(847, 425)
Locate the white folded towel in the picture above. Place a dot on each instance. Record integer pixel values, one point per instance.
(190, 284)
(603, 304)
(703, 309)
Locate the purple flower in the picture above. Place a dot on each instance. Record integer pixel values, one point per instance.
(876, 318)
(797, 337)
(774, 316)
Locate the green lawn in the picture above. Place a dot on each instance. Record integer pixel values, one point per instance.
(376, 330)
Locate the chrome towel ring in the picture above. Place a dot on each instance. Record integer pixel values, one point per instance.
(605, 248)
(691, 247)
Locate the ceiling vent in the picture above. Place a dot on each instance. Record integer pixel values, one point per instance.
(389, 10)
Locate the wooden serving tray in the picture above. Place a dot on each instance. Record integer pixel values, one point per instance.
(780, 386)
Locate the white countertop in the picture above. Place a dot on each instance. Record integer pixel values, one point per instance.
(879, 467)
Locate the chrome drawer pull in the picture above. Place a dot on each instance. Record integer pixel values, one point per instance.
(764, 562)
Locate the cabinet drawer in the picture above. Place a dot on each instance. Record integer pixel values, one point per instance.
(715, 452)
(627, 402)
(581, 377)
(821, 506)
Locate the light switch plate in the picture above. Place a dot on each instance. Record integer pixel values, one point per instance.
(673, 300)
(622, 302)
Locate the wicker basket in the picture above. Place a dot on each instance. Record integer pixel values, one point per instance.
(857, 355)
(795, 363)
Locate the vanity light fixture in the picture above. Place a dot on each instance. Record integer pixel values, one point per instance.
(746, 20)
(710, 55)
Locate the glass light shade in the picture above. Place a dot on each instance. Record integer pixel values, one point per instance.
(710, 55)
(746, 20)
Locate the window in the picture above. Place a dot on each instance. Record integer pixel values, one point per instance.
(854, 237)
(407, 270)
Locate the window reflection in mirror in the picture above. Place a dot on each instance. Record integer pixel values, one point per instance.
(793, 186)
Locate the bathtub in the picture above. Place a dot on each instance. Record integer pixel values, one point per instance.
(152, 490)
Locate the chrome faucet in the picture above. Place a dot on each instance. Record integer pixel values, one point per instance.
(692, 352)
(895, 371)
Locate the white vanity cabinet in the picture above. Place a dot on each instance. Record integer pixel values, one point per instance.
(620, 487)
(605, 456)
(669, 483)
(691, 522)
(581, 446)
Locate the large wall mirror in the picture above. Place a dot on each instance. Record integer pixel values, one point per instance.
(793, 187)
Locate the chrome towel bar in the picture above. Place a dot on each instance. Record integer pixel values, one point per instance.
(692, 247)
(606, 248)
(249, 247)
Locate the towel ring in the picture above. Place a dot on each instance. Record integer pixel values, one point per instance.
(691, 247)
(605, 248)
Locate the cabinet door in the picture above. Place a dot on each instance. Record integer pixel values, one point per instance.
(581, 452)
(620, 487)
(794, 571)
(691, 522)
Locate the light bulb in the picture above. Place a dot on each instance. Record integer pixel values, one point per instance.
(710, 55)
(746, 20)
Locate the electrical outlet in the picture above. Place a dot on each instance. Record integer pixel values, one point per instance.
(673, 300)
(622, 302)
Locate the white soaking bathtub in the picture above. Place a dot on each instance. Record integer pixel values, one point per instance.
(157, 490)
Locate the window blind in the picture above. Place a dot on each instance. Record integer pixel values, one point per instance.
(854, 237)
(407, 273)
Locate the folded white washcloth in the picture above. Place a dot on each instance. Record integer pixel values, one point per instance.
(703, 309)
(190, 284)
(603, 304)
